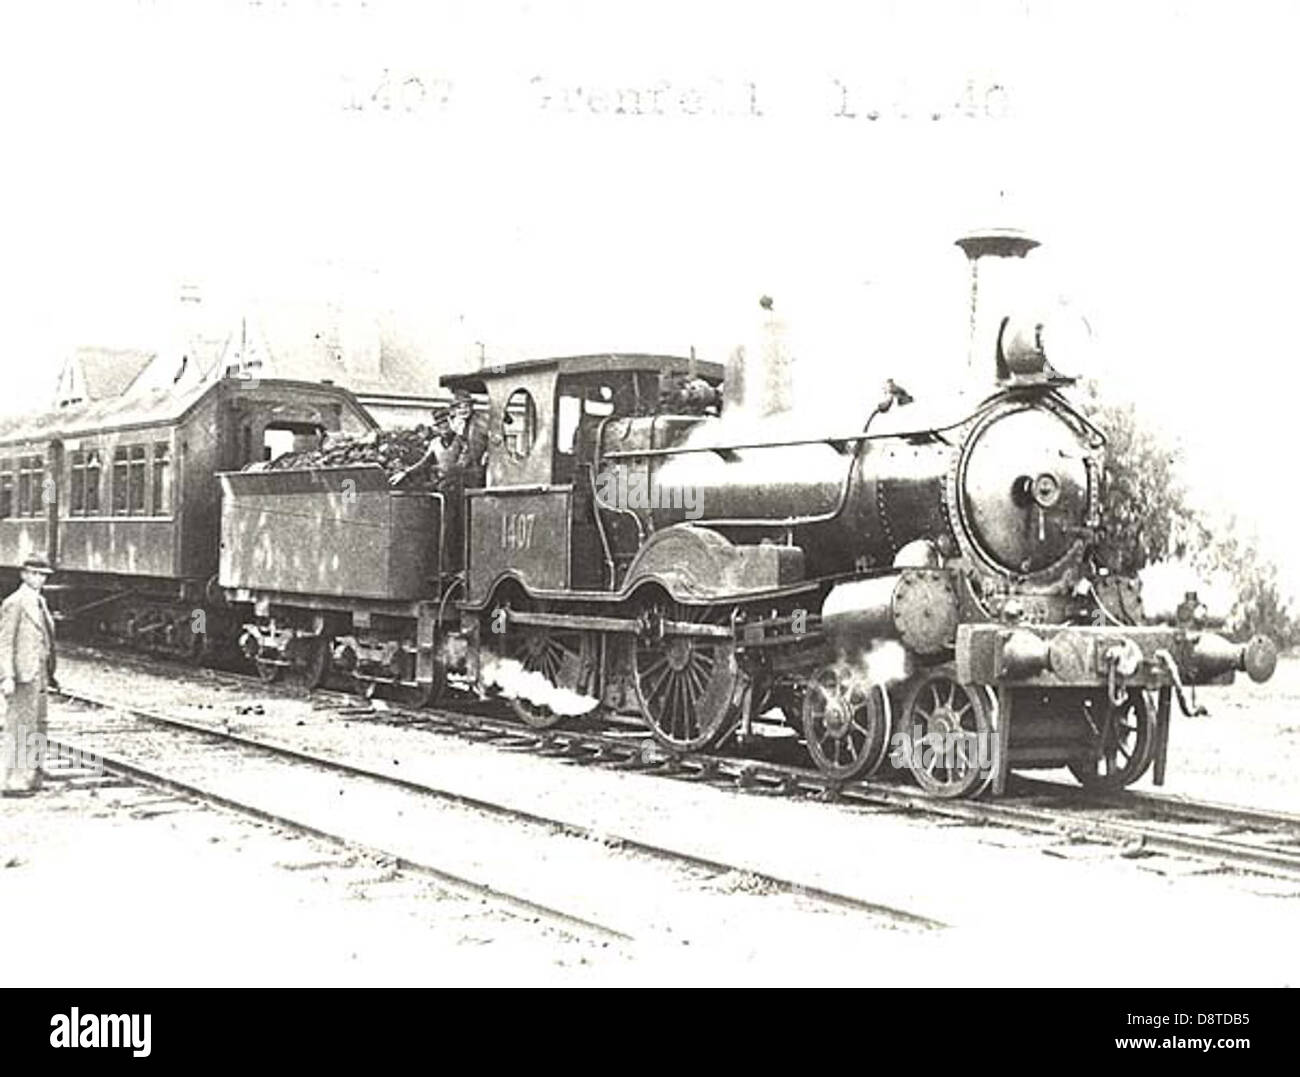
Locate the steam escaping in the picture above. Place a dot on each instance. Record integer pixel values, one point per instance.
(509, 677)
(883, 663)
(886, 662)
(1165, 584)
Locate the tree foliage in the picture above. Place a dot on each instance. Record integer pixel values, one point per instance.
(1145, 504)
(1149, 518)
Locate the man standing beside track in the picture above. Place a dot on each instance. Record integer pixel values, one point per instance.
(27, 662)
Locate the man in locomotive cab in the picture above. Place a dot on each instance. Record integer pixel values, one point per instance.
(27, 662)
(471, 427)
(440, 458)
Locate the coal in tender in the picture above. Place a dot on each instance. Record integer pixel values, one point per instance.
(393, 450)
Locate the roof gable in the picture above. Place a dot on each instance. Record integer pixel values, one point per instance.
(100, 374)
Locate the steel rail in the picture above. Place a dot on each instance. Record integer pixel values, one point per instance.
(495, 807)
(634, 748)
(132, 771)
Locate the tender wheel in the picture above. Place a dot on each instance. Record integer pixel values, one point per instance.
(1124, 748)
(270, 672)
(408, 692)
(686, 685)
(846, 723)
(317, 667)
(558, 673)
(950, 740)
(198, 650)
(192, 645)
(417, 696)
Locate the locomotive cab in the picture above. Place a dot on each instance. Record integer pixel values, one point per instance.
(536, 519)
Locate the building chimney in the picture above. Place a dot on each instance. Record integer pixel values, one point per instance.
(996, 255)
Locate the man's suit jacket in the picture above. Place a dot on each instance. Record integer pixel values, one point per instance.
(26, 636)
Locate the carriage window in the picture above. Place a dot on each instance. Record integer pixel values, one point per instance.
(135, 500)
(77, 485)
(31, 475)
(281, 438)
(162, 480)
(519, 424)
(6, 488)
(129, 464)
(93, 468)
(83, 487)
(121, 476)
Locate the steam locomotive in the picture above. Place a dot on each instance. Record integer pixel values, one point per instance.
(919, 591)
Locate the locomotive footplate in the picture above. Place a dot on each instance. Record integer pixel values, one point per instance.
(630, 625)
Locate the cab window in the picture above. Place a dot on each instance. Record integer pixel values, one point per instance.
(592, 404)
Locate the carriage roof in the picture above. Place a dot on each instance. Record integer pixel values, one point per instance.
(157, 407)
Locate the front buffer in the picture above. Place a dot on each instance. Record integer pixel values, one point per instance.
(1076, 696)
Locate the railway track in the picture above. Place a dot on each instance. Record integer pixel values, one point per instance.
(1140, 824)
(128, 747)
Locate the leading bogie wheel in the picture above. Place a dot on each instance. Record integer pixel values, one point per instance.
(948, 733)
(846, 722)
(1124, 744)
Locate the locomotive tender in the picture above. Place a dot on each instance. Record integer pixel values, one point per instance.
(122, 495)
(919, 589)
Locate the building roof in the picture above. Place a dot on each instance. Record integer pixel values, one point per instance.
(586, 364)
(314, 340)
(102, 373)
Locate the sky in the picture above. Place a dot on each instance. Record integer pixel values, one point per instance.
(515, 179)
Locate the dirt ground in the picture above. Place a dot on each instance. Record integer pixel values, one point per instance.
(1247, 750)
(123, 886)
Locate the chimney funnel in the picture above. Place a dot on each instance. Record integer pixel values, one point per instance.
(993, 253)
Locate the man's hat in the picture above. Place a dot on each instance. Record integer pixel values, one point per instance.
(37, 564)
(441, 415)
